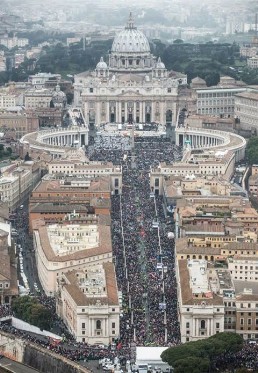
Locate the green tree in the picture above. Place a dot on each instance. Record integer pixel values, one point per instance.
(30, 310)
(212, 78)
(40, 316)
(200, 356)
(252, 150)
(178, 41)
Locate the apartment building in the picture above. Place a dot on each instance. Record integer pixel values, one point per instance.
(21, 121)
(201, 310)
(246, 110)
(17, 181)
(64, 247)
(37, 98)
(89, 305)
(76, 164)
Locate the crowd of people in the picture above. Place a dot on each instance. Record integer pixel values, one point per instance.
(144, 260)
(144, 255)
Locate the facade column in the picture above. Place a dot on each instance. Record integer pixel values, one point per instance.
(161, 112)
(106, 324)
(140, 112)
(153, 110)
(107, 112)
(126, 112)
(143, 111)
(119, 112)
(85, 110)
(97, 114)
(116, 114)
(134, 111)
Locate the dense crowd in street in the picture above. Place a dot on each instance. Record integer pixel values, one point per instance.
(149, 291)
(144, 259)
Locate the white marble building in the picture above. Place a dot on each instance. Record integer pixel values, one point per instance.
(132, 87)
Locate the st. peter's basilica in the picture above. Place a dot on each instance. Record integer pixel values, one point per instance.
(132, 87)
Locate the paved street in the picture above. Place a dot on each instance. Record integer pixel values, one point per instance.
(25, 241)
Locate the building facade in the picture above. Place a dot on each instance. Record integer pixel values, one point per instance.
(17, 181)
(253, 62)
(246, 110)
(217, 100)
(22, 121)
(133, 86)
(88, 304)
(201, 310)
(63, 247)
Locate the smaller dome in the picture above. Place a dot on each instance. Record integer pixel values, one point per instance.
(58, 97)
(160, 64)
(102, 64)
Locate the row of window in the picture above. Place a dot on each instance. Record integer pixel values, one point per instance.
(99, 325)
(249, 321)
(221, 94)
(203, 325)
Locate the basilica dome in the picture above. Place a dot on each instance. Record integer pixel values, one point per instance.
(130, 40)
(101, 64)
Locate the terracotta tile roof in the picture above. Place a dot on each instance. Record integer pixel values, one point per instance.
(246, 297)
(203, 228)
(49, 207)
(199, 250)
(105, 246)
(186, 291)
(244, 246)
(81, 299)
(97, 184)
(5, 270)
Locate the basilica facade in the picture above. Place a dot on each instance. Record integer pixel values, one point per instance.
(132, 87)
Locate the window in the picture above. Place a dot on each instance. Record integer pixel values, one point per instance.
(187, 325)
(203, 324)
(113, 325)
(83, 325)
(91, 90)
(169, 90)
(217, 325)
(98, 324)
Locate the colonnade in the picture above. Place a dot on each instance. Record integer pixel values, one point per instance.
(63, 140)
(198, 141)
(65, 137)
